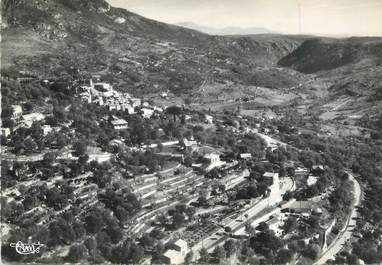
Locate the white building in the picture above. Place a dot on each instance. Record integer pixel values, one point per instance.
(301, 172)
(275, 194)
(233, 180)
(46, 129)
(99, 101)
(103, 87)
(209, 119)
(5, 131)
(17, 111)
(147, 113)
(114, 106)
(127, 107)
(245, 155)
(189, 143)
(318, 168)
(28, 119)
(311, 180)
(136, 102)
(214, 161)
(177, 253)
(119, 124)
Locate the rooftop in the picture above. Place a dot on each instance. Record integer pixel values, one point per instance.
(181, 243)
(119, 122)
(269, 174)
(171, 254)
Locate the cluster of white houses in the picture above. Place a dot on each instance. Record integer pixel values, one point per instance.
(103, 94)
(24, 120)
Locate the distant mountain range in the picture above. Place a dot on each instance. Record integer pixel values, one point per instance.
(227, 30)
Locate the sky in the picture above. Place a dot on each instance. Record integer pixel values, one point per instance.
(324, 17)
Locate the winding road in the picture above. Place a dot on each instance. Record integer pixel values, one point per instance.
(347, 231)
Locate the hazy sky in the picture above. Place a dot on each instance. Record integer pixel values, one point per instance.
(338, 17)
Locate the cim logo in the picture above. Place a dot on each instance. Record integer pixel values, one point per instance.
(26, 249)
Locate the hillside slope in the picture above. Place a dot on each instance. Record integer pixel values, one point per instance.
(351, 67)
(325, 54)
(53, 37)
(61, 38)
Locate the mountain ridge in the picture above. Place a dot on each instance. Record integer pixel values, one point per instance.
(76, 29)
(226, 30)
(143, 56)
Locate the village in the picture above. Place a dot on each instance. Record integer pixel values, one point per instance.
(191, 195)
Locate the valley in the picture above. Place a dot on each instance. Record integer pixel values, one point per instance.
(130, 141)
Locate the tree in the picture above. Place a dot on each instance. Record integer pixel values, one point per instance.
(28, 106)
(7, 111)
(60, 233)
(158, 250)
(49, 158)
(311, 251)
(213, 174)
(288, 195)
(187, 101)
(160, 146)
(121, 214)
(265, 243)
(115, 233)
(178, 219)
(91, 245)
(188, 161)
(75, 168)
(30, 145)
(8, 123)
(80, 148)
(249, 229)
(246, 252)
(94, 222)
(147, 241)
(204, 256)
(30, 201)
(284, 256)
(263, 226)
(76, 252)
(220, 254)
(314, 222)
(83, 159)
(290, 224)
(230, 247)
(36, 131)
(227, 229)
(79, 229)
(190, 212)
(61, 140)
(136, 253)
(282, 172)
(183, 119)
(55, 199)
(252, 191)
(189, 257)
(175, 111)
